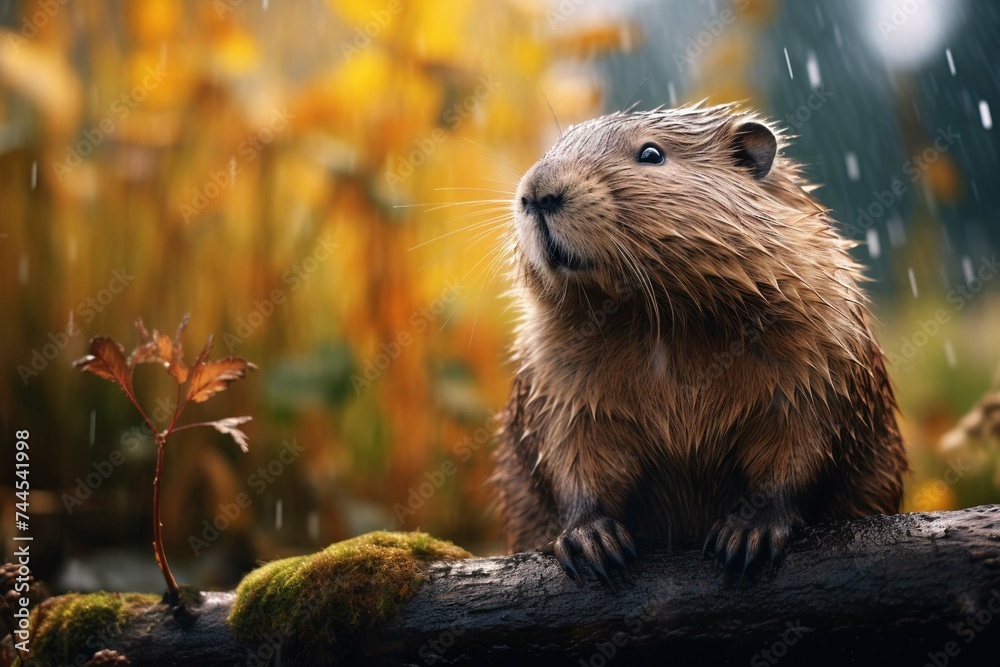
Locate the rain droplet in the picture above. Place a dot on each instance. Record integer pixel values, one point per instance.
(788, 62)
(672, 92)
(277, 514)
(22, 269)
(93, 413)
(34, 174)
(853, 170)
(264, 4)
(812, 69)
(837, 37)
(913, 283)
(819, 16)
(967, 270)
(949, 354)
(71, 249)
(951, 61)
(985, 115)
(313, 525)
(897, 232)
(874, 249)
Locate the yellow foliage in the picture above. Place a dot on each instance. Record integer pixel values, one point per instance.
(599, 38)
(45, 77)
(153, 21)
(236, 52)
(931, 495)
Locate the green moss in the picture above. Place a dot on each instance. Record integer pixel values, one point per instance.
(71, 625)
(330, 595)
(189, 596)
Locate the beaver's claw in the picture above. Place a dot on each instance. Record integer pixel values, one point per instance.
(604, 544)
(742, 544)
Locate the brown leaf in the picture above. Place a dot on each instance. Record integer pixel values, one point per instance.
(157, 348)
(107, 360)
(228, 426)
(178, 358)
(210, 377)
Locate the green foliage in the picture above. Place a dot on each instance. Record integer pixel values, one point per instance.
(320, 378)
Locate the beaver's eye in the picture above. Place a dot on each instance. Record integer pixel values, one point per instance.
(651, 154)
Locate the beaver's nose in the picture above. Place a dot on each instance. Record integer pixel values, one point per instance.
(547, 203)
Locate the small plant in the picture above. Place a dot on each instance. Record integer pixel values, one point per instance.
(197, 383)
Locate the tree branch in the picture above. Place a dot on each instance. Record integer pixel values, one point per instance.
(913, 588)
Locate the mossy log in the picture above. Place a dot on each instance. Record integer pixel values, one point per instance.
(916, 589)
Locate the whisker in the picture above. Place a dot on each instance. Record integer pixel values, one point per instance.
(497, 257)
(505, 208)
(462, 280)
(629, 260)
(509, 168)
(480, 261)
(593, 313)
(502, 192)
(505, 258)
(496, 180)
(440, 205)
(498, 224)
(551, 110)
(466, 227)
(626, 107)
(486, 232)
(645, 284)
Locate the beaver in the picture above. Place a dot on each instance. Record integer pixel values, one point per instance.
(694, 356)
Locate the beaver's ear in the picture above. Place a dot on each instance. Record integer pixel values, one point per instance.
(754, 147)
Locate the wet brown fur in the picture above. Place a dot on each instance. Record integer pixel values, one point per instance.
(712, 355)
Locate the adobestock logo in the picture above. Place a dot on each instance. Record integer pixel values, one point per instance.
(87, 311)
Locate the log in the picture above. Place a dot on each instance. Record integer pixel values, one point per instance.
(916, 589)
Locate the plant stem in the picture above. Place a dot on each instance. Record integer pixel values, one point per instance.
(161, 556)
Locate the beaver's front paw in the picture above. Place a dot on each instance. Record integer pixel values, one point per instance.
(605, 545)
(742, 543)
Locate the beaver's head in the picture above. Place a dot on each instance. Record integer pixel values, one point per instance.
(694, 203)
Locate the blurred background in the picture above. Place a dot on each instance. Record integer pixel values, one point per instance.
(323, 187)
